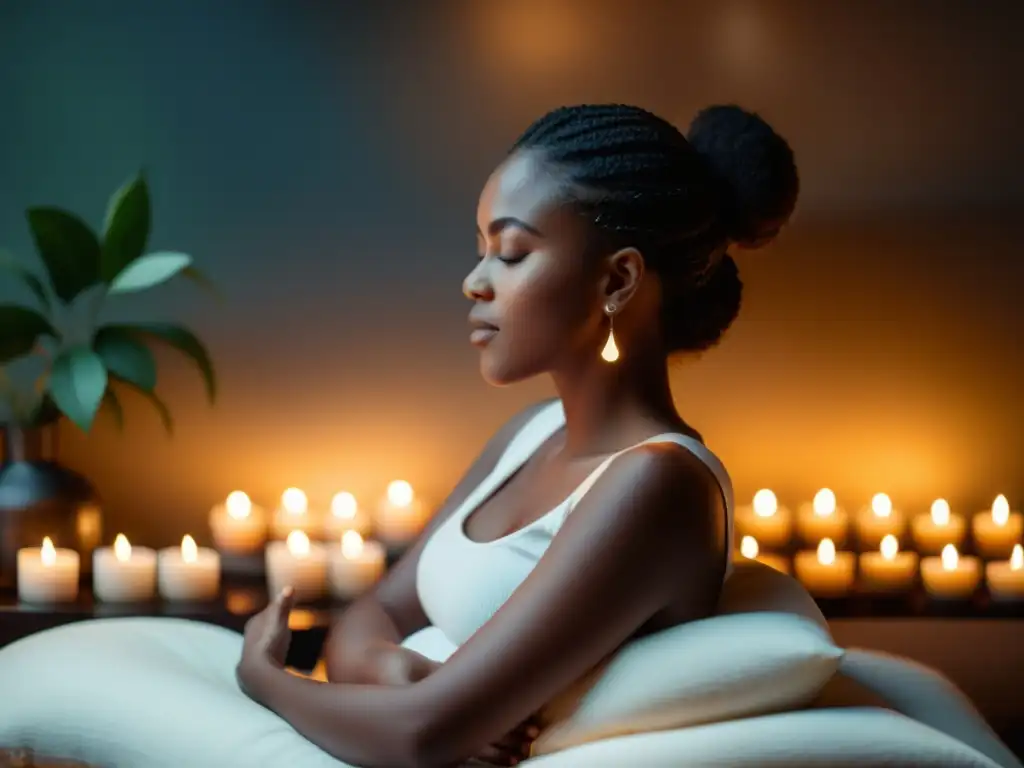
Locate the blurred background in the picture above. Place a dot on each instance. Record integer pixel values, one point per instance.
(322, 160)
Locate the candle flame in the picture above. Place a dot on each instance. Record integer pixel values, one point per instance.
(344, 505)
(399, 493)
(298, 543)
(1000, 510)
(765, 503)
(47, 553)
(189, 550)
(824, 503)
(294, 501)
(826, 552)
(940, 512)
(351, 545)
(881, 505)
(122, 548)
(238, 505)
(1017, 558)
(748, 547)
(890, 546)
(950, 558)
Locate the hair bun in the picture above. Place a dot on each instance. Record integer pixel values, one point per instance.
(756, 168)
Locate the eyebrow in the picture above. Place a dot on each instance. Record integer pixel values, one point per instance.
(496, 226)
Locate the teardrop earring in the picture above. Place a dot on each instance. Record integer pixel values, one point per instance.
(610, 353)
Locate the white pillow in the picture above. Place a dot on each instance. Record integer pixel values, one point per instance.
(836, 738)
(739, 663)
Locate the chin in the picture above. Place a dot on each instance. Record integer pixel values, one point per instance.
(501, 372)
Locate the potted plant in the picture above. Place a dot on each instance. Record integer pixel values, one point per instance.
(59, 361)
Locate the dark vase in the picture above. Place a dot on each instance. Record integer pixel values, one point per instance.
(39, 497)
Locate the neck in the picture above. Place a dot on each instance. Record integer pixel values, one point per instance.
(604, 401)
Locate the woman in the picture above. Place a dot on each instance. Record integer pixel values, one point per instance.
(603, 242)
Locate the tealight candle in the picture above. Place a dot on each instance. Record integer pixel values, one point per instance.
(346, 515)
(1006, 579)
(293, 514)
(749, 549)
(355, 566)
(765, 520)
(825, 572)
(888, 570)
(935, 530)
(239, 527)
(401, 516)
(822, 519)
(298, 563)
(950, 576)
(123, 573)
(878, 520)
(188, 573)
(996, 531)
(47, 574)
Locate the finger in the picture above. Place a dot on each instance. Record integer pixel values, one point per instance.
(285, 601)
(493, 755)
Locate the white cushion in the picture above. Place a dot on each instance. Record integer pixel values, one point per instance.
(837, 738)
(739, 663)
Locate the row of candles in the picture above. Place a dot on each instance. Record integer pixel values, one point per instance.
(945, 573)
(317, 554)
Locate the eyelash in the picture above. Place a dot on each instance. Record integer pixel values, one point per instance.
(509, 260)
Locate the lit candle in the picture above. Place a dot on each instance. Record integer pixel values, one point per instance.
(878, 520)
(401, 516)
(750, 550)
(825, 572)
(188, 573)
(888, 570)
(935, 530)
(1005, 579)
(346, 515)
(997, 530)
(293, 514)
(355, 566)
(298, 563)
(239, 527)
(822, 519)
(47, 574)
(765, 520)
(949, 575)
(123, 573)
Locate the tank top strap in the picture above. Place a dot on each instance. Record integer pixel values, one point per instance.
(530, 437)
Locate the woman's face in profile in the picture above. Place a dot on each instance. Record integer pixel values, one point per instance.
(536, 298)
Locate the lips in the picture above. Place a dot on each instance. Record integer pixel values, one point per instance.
(481, 332)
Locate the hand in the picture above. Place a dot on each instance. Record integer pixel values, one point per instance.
(512, 748)
(267, 636)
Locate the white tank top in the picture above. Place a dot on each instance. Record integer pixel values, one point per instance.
(462, 583)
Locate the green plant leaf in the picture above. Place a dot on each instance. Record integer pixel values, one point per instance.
(149, 270)
(77, 383)
(126, 228)
(161, 407)
(11, 265)
(185, 342)
(68, 248)
(125, 356)
(19, 329)
(113, 404)
(203, 282)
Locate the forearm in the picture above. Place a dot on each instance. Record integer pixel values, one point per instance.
(366, 725)
(350, 649)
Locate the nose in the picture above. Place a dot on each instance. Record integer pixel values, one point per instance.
(476, 286)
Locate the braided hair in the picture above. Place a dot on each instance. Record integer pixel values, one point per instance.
(680, 200)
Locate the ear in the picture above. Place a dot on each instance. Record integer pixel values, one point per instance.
(624, 270)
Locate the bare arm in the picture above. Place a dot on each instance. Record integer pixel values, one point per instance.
(377, 622)
(652, 522)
